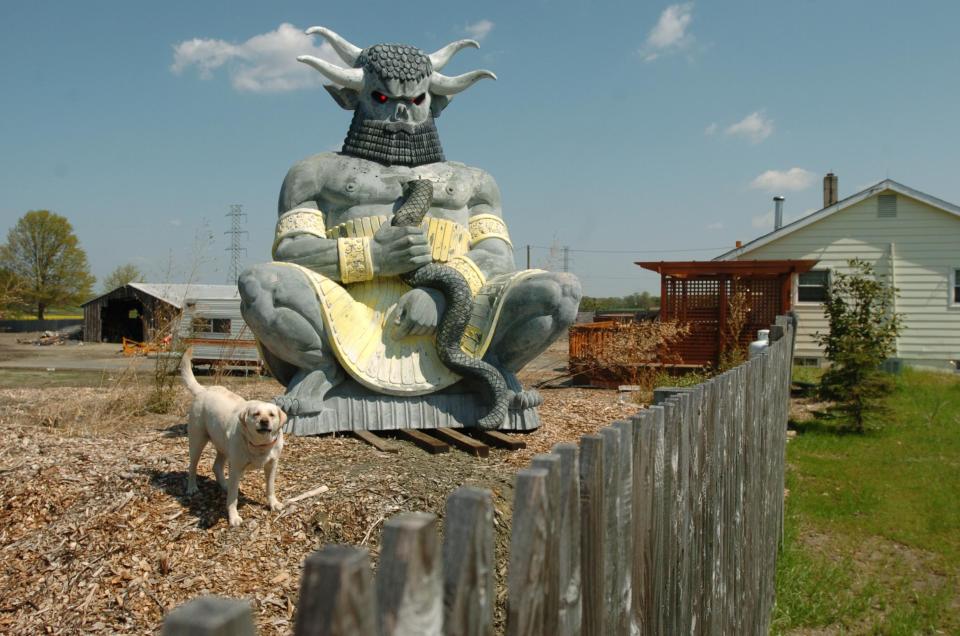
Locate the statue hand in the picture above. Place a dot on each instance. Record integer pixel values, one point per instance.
(418, 312)
(397, 250)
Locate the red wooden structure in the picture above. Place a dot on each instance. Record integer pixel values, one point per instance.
(698, 294)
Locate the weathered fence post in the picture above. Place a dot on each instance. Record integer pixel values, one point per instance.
(626, 519)
(210, 616)
(568, 565)
(468, 564)
(612, 530)
(659, 521)
(592, 532)
(409, 585)
(529, 540)
(643, 522)
(336, 593)
(551, 592)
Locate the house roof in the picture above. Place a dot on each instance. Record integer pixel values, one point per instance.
(883, 186)
(176, 294)
(692, 269)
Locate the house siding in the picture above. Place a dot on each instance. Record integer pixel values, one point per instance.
(918, 248)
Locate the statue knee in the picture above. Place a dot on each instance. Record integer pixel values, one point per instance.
(567, 298)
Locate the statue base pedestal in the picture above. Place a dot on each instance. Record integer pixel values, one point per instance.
(352, 407)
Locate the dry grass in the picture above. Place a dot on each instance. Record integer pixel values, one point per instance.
(96, 535)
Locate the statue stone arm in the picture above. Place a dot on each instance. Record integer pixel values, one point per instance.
(492, 255)
(393, 250)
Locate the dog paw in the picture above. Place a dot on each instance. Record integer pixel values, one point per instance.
(276, 505)
(235, 520)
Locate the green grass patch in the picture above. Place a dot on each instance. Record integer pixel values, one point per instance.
(873, 524)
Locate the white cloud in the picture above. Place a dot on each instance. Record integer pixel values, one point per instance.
(784, 180)
(265, 63)
(670, 33)
(479, 30)
(711, 129)
(756, 127)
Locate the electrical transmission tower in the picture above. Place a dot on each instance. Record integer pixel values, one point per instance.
(566, 258)
(237, 216)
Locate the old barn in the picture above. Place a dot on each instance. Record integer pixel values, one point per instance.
(138, 311)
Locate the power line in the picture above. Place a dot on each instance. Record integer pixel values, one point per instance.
(636, 251)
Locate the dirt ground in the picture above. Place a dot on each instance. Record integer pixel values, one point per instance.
(96, 535)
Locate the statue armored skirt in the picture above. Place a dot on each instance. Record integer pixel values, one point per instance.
(355, 345)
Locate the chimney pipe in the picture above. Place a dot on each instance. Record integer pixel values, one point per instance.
(830, 195)
(777, 212)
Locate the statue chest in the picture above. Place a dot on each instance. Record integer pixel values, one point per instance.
(365, 187)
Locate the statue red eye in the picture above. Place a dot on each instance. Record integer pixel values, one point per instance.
(419, 98)
(380, 97)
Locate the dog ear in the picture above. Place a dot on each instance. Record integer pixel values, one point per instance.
(283, 416)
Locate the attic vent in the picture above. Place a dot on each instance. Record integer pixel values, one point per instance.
(887, 206)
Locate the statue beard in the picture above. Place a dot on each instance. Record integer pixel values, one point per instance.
(393, 143)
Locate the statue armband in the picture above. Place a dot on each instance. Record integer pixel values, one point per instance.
(484, 226)
(356, 259)
(298, 221)
(470, 271)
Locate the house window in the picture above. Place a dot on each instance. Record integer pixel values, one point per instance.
(210, 325)
(812, 286)
(955, 287)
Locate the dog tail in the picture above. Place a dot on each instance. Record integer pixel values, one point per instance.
(186, 373)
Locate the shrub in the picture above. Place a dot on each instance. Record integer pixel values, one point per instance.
(863, 332)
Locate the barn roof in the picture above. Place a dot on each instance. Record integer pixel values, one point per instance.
(177, 293)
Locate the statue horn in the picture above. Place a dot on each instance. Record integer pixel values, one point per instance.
(447, 86)
(440, 57)
(347, 77)
(347, 51)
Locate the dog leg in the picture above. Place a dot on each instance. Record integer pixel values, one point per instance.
(270, 474)
(233, 493)
(198, 440)
(218, 469)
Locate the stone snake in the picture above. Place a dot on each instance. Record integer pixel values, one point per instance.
(456, 291)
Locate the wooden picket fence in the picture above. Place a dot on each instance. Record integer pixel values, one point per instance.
(666, 523)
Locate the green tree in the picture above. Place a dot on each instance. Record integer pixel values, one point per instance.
(44, 253)
(863, 333)
(11, 291)
(122, 275)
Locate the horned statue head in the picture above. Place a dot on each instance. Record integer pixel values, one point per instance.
(393, 83)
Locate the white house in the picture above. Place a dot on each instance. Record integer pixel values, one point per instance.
(909, 236)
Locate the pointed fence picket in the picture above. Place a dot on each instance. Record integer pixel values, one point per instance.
(665, 523)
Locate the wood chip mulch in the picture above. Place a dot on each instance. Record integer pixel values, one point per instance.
(96, 535)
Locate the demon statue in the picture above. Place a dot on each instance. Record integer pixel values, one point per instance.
(393, 300)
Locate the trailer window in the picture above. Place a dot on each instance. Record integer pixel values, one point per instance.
(210, 325)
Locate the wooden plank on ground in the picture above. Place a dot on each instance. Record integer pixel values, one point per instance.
(498, 439)
(461, 441)
(430, 444)
(376, 441)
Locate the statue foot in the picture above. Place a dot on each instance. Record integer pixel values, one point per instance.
(526, 399)
(306, 392)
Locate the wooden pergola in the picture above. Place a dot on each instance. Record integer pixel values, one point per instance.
(698, 293)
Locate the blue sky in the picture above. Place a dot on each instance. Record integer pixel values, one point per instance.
(624, 130)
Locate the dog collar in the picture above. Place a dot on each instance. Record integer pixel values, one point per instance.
(250, 443)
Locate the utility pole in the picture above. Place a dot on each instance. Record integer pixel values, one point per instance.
(237, 215)
(566, 258)
(528, 256)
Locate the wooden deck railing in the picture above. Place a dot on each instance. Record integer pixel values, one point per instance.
(666, 523)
